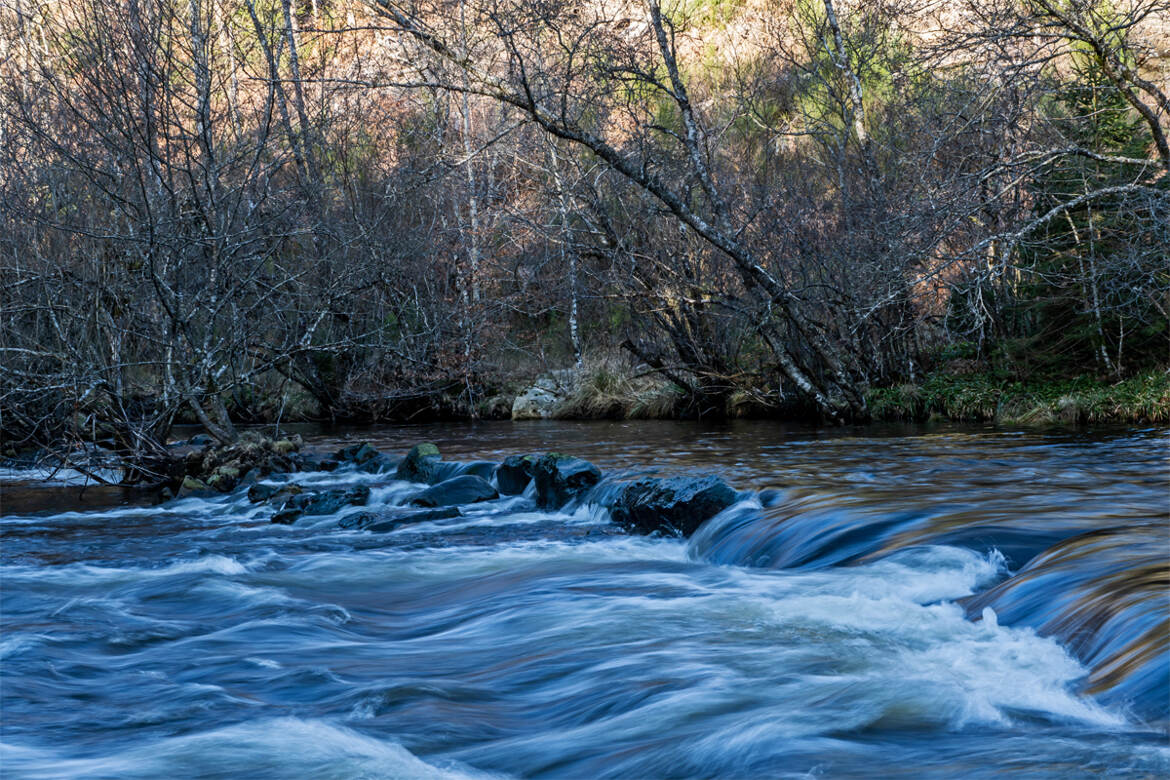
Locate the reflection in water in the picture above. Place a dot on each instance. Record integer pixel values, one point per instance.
(930, 603)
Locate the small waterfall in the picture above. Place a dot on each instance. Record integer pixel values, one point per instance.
(1104, 594)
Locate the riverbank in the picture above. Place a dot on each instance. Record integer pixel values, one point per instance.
(984, 397)
(609, 391)
(942, 396)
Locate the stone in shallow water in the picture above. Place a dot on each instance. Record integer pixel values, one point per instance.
(560, 479)
(389, 519)
(363, 456)
(674, 505)
(514, 474)
(356, 453)
(325, 502)
(192, 487)
(267, 491)
(421, 464)
(468, 489)
(448, 469)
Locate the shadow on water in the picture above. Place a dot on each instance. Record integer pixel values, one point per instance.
(898, 601)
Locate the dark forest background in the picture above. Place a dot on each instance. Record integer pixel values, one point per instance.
(230, 211)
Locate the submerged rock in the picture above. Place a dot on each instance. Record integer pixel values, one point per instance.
(479, 468)
(388, 520)
(421, 464)
(514, 474)
(674, 505)
(325, 502)
(364, 456)
(560, 479)
(264, 492)
(447, 469)
(357, 453)
(317, 463)
(467, 489)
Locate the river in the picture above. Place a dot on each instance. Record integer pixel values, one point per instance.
(881, 602)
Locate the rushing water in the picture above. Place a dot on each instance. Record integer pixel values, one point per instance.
(881, 602)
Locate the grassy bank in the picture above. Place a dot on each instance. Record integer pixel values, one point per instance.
(609, 389)
(986, 397)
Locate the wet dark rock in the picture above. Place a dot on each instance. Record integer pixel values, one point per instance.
(192, 487)
(388, 520)
(363, 456)
(421, 464)
(560, 479)
(450, 469)
(383, 464)
(468, 489)
(325, 502)
(223, 468)
(480, 468)
(357, 453)
(224, 478)
(770, 497)
(319, 463)
(285, 446)
(675, 505)
(514, 474)
(266, 492)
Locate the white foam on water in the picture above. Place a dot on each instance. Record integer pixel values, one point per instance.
(81, 574)
(907, 651)
(272, 748)
(456, 563)
(56, 477)
(14, 645)
(267, 663)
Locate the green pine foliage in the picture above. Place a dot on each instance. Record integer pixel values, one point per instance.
(1093, 282)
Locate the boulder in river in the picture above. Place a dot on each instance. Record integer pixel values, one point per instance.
(224, 478)
(560, 479)
(449, 469)
(389, 519)
(421, 464)
(467, 489)
(265, 491)
(192, 487)
(363, 456)
(356, 453)
(514, 474)
(674, 505)
(224, 467)
(324, 502)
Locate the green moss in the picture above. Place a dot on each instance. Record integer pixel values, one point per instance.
(1084, 399)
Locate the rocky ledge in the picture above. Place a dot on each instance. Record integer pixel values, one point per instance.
(551, 481)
